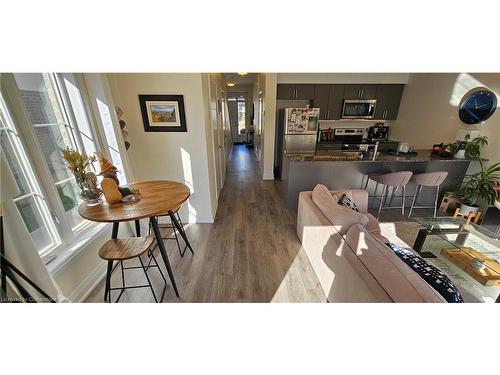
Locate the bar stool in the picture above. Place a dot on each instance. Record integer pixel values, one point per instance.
(124, 249)
(171, 226)
(431, 179)
(394, 180)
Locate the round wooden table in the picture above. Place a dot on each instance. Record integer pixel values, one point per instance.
(156, 198)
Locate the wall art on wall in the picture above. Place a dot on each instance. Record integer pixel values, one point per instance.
(163, 113)
(123, 127)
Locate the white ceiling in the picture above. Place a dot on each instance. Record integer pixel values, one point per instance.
(240, 80)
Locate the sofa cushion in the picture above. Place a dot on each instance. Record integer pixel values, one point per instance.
(431, 274)
(342, 218)
(393, 275)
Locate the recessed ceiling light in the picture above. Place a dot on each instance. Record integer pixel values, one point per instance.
(242, 74)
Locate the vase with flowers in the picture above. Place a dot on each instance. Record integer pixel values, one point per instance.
(80, 164)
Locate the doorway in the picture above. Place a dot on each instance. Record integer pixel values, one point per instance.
(237, 103)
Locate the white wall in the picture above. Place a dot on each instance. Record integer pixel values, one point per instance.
(269, 129)
(343, 77)
(174, 156)
(429, 110)
(265, 128)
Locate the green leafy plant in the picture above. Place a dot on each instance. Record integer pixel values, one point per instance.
(480, 185)
(472, 148)
(79, 164)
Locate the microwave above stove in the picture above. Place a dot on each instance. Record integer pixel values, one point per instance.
(359, 108)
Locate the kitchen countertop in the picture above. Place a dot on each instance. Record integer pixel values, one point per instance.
(422, 156)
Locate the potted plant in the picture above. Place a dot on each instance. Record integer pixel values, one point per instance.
(79, 165)
(467, 148)
(479, 186)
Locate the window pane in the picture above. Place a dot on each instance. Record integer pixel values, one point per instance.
(78, 107)
(14, 164)
(70, 197)
(241, 115)
(30, 213)
(111, 139)
(33, 211)
(39, 98)
(43, 103)
(52, 138)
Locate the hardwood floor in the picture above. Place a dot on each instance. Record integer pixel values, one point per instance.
(251, 253)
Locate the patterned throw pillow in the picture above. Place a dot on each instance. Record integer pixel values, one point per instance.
(347, 202)
(432, 275)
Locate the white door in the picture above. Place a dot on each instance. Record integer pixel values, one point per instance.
(214, 120)
(220, 139)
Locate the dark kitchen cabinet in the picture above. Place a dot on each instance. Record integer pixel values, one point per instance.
(360, 91)
(329, 99)
(285, 91)
(321, 100)
(335, 102)
(388, 99)
(304, 91)
(288, 91)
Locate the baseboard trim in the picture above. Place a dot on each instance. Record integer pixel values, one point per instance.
(89, 284)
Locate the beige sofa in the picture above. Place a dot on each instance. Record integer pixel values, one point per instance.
(357, 265)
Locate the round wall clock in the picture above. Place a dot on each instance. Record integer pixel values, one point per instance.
(477, 105)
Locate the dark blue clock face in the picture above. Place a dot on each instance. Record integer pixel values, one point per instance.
(477, 106)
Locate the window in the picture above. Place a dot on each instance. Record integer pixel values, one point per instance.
(43, 103)
(42, 113)
(241, 115)
(29, 201)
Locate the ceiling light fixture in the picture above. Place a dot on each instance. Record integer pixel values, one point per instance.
(230, 83)
(242, 74)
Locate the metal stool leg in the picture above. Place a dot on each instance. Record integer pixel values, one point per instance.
(382, 200)
(403, 200)
(417, 192)
(183, 231)
(177, 238)
(367, 181)
(107, 292)
(436, 200)
(394, 191)
(123, 274)
(147, 278)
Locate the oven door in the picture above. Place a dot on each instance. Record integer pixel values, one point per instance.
(356, 108)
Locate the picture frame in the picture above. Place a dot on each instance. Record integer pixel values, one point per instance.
(163, 113)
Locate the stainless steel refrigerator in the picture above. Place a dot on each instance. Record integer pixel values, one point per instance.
(301, 127)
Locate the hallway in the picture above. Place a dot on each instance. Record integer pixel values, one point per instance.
(250, 254)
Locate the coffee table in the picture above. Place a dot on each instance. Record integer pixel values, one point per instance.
(469, 251)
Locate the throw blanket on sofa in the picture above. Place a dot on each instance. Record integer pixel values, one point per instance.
(432, 275)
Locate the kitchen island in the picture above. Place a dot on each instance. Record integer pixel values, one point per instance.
(303, 172)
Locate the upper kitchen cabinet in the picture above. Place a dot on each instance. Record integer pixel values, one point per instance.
(321, 100)
(388, 99)
(288, 91)
(335, 102)
(360, 91)
(329, 98)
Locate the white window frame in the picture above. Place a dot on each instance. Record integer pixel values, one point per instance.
(40, 173)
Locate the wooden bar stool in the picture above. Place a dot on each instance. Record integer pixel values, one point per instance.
(387, 180)
(172, 226)
(124, 249)
(430, 179)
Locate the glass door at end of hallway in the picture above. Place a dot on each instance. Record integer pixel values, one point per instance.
(237, 108)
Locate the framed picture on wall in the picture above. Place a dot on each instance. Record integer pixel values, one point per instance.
(163, 113)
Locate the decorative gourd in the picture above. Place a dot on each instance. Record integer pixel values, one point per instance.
(110, 190)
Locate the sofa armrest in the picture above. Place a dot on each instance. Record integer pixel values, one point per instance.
(359, 197)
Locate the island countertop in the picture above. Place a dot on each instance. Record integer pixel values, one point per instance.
(422, 156)
(301, 172)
